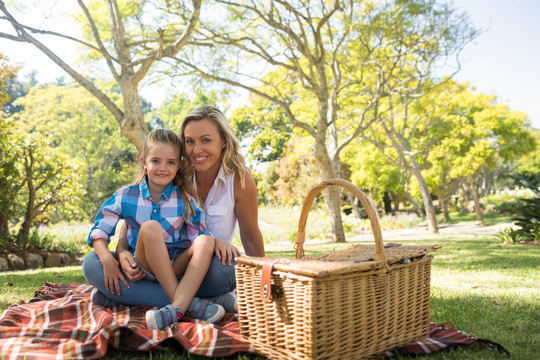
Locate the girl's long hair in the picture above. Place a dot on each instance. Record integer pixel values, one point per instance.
(184, 174)
(232, 160)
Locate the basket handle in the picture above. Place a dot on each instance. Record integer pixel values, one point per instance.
(366, 202)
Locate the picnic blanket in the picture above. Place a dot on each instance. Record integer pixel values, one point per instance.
(62, 323)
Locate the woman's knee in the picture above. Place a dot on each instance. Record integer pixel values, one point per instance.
(219, 279)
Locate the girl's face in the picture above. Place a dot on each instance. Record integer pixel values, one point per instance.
(161, 163)
(204, 145)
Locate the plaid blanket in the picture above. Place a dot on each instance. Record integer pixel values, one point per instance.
(62, 323)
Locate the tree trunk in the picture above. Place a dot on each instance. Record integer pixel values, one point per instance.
(476, 199)
(395, 200)
(332, 193)
(417, 209)
(353, 200)
(387, 204)
(428, 202)
(24, 231)
(334, 210)
(444, 206)
(3, 225)
(133, 126)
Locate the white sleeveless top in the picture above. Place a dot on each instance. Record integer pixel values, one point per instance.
(219, 207)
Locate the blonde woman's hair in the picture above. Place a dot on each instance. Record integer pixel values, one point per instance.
(184, 174)
(232, 160)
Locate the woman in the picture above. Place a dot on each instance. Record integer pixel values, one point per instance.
(229, 194)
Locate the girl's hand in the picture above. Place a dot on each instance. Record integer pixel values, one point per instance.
(131, 269)
(225, 252)
(113, 275)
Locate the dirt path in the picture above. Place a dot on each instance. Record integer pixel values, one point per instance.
(463, 229)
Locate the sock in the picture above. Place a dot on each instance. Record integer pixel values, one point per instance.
(179, 314)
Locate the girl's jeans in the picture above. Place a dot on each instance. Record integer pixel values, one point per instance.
(220, 279)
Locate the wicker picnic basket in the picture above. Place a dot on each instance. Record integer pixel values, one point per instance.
(346, 305)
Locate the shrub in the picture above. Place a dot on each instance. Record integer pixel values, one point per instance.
(505, 201)
(528, 211)
(511, 236)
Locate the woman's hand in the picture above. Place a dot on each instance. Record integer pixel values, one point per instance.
(225, 252)
(131, 269)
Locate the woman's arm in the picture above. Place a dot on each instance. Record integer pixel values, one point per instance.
(246, 209)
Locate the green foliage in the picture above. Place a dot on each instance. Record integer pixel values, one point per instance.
(511, 236)
(10, 174)
(7, 72)
(174, 109)
(470, 132)
(297, 173)
(50, 181)
(265, 125)
(529, 164)
(265, 184)
(505, 200)
(79, 126)
(528, 215)
(371, 170)
(36, 180)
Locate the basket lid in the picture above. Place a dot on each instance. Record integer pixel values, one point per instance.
(311, 268)
(366, 252)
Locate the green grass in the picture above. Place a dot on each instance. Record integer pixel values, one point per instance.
(488, 219)
(484, 287)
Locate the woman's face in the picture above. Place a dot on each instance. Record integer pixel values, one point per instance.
(204, 145)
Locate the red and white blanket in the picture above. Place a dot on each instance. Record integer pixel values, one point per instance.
(62, 323)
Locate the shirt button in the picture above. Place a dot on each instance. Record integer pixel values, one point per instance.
(155, 210)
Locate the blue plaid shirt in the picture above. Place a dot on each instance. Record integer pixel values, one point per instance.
(134, 205)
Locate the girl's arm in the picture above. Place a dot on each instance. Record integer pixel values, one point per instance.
(99, 238)
(111, 268)
(130, 267)
(246, 209)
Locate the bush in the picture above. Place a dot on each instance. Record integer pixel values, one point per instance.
(505, 201)
(528, 209)
(511, 236)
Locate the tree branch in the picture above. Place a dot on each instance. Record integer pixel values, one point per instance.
(25, 37)
(170, 50)
(95, 32)
(295, 122)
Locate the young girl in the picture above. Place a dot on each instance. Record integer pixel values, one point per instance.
(163, 222)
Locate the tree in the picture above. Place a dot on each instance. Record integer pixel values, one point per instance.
(530, 163)
(471, 135)
(9, 174)
(33, 178)
(7, 72)
(297, 173)
(265, 126)
(330, 63)
(125, 44)
(372, 171)
(173, 110)
(49, 178)
(66, 115)
(8, 170)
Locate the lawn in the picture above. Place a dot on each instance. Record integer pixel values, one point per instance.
(484, 287)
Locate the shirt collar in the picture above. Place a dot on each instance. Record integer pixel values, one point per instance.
(220, 176)
(145, 192)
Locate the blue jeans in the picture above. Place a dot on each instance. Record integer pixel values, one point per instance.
(220, 279)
